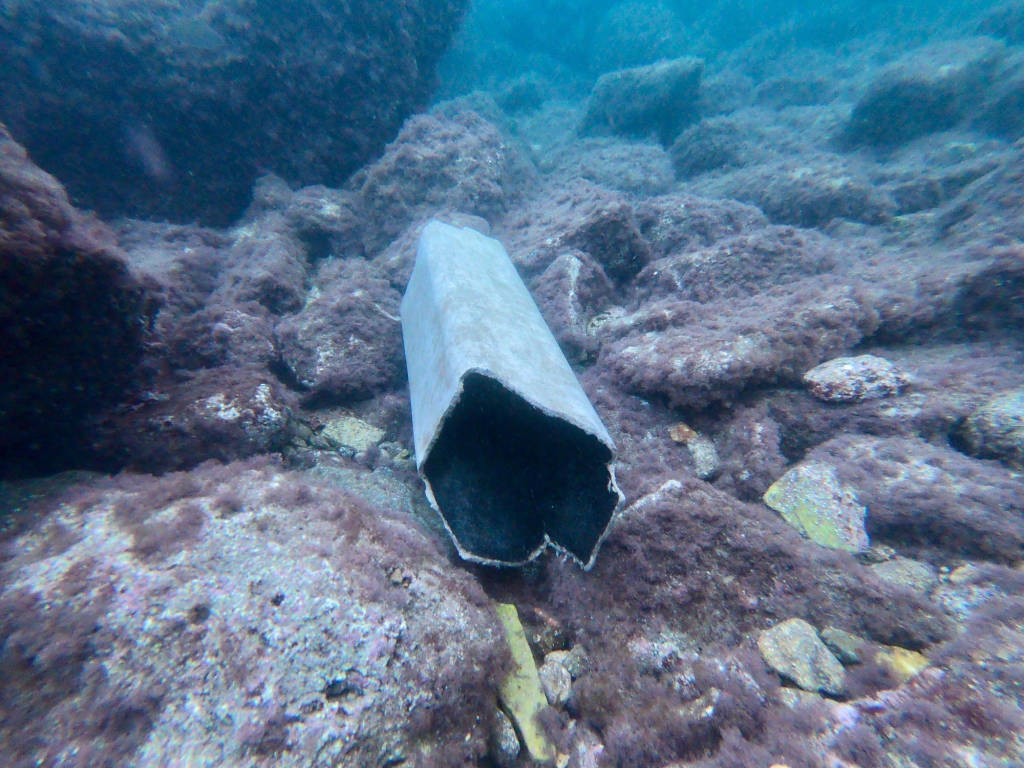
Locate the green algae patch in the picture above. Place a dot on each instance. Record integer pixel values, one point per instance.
(902, 663)
(811, 498)
(520, 693)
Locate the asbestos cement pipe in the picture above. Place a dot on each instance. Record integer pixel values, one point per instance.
(513, 455)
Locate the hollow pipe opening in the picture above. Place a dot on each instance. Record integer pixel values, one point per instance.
(510, 477)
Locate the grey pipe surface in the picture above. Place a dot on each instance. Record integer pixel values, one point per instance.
(512, 453)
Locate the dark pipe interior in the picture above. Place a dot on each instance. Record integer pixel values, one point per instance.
(503, 473)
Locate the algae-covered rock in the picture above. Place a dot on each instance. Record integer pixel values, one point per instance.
(556, 681)
(852, 379)
(844, 645)
(521, 693)
(912, 574)
(352, 434)
(793, 649)
(811, 498)
(996, 429)
(657, 99)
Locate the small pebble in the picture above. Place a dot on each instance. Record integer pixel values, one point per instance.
(852, 379)
(556, 681)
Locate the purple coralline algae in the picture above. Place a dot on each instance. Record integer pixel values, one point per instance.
(783, 261)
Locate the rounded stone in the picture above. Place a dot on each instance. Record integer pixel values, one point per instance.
(852, 379)
(556, 681)
(996, 429)
(504, 744)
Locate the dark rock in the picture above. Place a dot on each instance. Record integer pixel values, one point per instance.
(437, 164)
(1005, 21)
(995, 430)
(73, 320)
(224, 413)
(184, 263)
(1003, 111)
(221, 334)
(657, 100)
(989, 212)
(750, 447)
(581, 215)
(570, 292)
(713, 143)
(739, 265)
(346, 343)
(928, 90)
(525, 93)
(266, 267)
(167, 110)
(931, 498)
(725, 91)
(716, 593)
(950, 381)
(318, 626)
(991, 299)
(504, 743)
(642, 430)
(929, 173)
(329, 222)
(920, 299)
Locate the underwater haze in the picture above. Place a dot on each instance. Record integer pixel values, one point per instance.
(762, 484)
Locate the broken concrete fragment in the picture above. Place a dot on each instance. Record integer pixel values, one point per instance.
(520, 693)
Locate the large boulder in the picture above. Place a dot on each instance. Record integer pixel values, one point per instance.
(579, 215)
(931, 498)
(807, 190)
(171, 109)
(656, 100)
(239, 615)
(72, 317)
(440, 163)
(692, 355)
(346, 343)
(928, 90)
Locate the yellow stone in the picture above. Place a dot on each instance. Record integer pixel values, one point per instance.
(682, 433)
(521, 693)
(903, 664)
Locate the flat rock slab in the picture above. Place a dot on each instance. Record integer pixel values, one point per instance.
(793, 649)
(811, 498)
